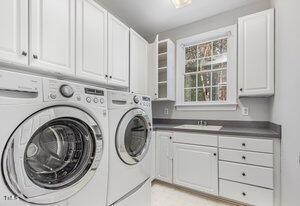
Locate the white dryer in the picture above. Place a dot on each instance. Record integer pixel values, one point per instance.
(54, 139)
(130, 127)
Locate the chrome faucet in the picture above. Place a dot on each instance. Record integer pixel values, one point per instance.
(202, 123)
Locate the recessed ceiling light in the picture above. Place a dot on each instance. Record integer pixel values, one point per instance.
(181, 3)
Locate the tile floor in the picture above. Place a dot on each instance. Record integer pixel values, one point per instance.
(166, 195)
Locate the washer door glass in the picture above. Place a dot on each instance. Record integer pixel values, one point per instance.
(59, 153)
(136, 135)
(133, 136)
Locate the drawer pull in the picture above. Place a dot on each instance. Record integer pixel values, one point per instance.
(244, 157)
(244, 194)
(244, 174)
(244, 144)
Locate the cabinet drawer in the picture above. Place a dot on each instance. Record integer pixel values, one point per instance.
(253, 158)
(196, 138)
(249, 144)
(245, 193)
(258, 176)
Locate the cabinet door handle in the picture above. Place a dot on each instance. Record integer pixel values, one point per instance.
(244, 194)
(244, 157)
(215, 154)
(244, 174)
(110, 77)
(241, 89)
(244, 144)
(170, 137)
(106, 75)
(35, 56)
(24, 53)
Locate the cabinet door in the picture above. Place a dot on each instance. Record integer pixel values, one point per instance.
(153, 69)
(91, 39)
(256, 54)
(164, 156)
(53, 36)
(118, 52)
(138, 63)
(14, 31)
(196, 167)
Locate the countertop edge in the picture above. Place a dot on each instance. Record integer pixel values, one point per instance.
(225, 131)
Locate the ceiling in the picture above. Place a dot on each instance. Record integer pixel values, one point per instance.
(149, 17)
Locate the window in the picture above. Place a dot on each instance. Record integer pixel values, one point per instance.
(206, 70)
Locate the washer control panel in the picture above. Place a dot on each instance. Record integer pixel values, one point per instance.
(143, 101)
(56, 90)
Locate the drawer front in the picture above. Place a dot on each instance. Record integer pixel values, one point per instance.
(196, 139)
(248, 144)
(258, 176)
(253, 158)
(245, 193)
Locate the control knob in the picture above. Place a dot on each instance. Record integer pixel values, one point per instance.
(66, 90)
(136, 99)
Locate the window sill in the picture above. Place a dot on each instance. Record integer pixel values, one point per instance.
(207, 107)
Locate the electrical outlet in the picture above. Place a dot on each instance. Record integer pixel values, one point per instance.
(245, 111)
(166, 111)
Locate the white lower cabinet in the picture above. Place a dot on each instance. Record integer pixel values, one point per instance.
(196, 167)
(164, 156)
(242, 169)
(246, 193)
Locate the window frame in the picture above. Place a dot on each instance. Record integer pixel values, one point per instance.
(231, 103)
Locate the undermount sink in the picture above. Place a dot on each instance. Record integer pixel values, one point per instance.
(199, 127)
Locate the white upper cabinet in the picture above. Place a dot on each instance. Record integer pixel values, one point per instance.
(196, 167)
(256, 54)
(14, 31)
(118, 52)
(91, 41)
(161, 74)
(138, 63)
(52, 39)
(152, 68)
(166, 70)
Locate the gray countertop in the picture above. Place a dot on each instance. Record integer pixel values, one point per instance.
(226, 130)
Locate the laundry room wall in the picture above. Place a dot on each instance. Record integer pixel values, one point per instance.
(284, 106)
(258, 107)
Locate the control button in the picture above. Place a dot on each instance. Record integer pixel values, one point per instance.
(136, 99)
(96, 100)
(78, 98)
(53, 96)
(66, 91)
(101, 100)
(88, 99)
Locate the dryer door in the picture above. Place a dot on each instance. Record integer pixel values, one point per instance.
(133, 136)
(52, 155)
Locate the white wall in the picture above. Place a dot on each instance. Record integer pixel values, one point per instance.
(285, 108)
(258, 107)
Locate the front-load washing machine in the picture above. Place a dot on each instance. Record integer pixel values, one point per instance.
(130, 131)
(54, 139)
